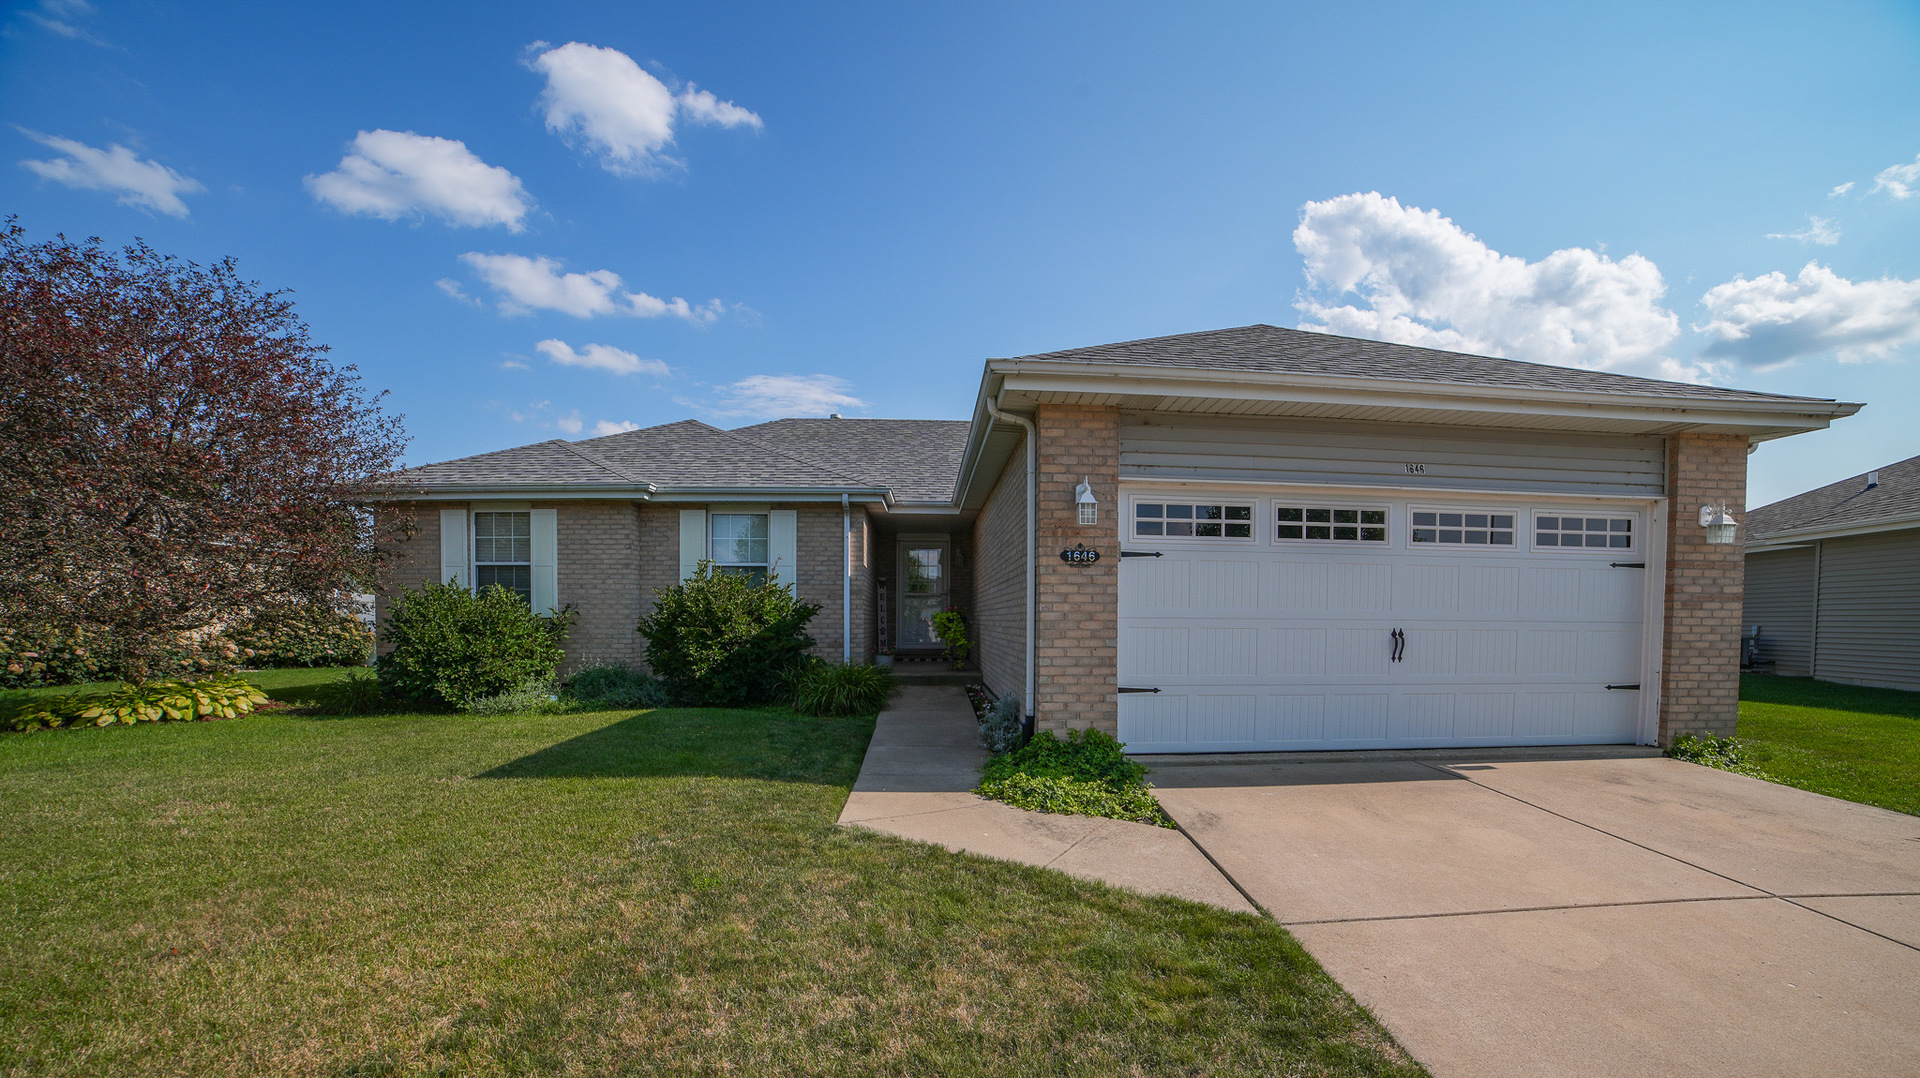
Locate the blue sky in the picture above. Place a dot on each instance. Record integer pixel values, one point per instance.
(531, 221)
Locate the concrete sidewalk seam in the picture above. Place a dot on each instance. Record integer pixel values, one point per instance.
(963, 808)
(1220, 868)
(1850, 924)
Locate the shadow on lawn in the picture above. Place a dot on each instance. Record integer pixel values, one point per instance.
(715, 743)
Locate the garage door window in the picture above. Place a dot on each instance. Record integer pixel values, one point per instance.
(1587, 533)
(1461, 527)
(1307, 523)
(1186, 520)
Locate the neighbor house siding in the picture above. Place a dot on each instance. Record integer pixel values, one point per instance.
(1344, 453)
(1779, 599)
(1869, 610)
(1000, 581)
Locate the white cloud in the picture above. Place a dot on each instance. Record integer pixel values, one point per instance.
(611, 426)
(775, 396)
(1899, 181)
(1819, 230)
(1840, 190)
(62, 17)
(1422, 280)
(529, 284)
(147, 185)
(1771, 320)
(604, 99)
(542, 414)
(395, 174)
(601, 357)
(570, 423)
(513, 365)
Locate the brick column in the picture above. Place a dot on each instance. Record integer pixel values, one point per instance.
(1077, 621)
(1700, 689)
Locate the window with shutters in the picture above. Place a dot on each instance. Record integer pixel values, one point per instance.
(503, 552)
(739, 545)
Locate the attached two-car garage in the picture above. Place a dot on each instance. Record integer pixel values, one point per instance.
(1299, 618)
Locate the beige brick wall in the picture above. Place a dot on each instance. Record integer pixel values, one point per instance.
(820, 577)
(414, 560)
(600, 576)
(1700, 689)
(1077, 621)
(999, 581)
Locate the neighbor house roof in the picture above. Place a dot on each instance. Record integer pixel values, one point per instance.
(918, 459)
(914, 459)
(1273, 350)
(1848, 505)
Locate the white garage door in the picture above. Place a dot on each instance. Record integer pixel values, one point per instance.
(1302, 622)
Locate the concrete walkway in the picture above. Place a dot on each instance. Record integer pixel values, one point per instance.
(926, 756)
(1511, 913)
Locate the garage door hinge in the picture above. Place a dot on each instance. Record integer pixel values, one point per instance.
(1623, 686)
(1626, 565)
(1140, 554)
(1129, 688)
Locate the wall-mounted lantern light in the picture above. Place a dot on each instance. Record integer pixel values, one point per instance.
(1088, 506)
(1719, 523)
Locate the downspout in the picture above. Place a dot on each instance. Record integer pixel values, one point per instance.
(1033, 540)
(846, 581)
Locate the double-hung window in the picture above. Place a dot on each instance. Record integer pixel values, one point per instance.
(503, 552)
(739, 545)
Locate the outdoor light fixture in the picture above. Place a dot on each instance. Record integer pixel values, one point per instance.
(1089, 507)
(1719, 523)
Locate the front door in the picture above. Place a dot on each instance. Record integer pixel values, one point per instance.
(924, 583)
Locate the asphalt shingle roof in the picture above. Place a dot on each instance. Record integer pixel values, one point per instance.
(919, 459)
(1270, 349)
(1837, 505)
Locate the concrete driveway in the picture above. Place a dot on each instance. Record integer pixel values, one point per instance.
(1544, 912)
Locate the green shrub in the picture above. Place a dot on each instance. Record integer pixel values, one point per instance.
(1001, 725)
(538, 696)
(609, 686)
(303, 635)
(1724, 753)
(951, 627)
(452, 647)
(823, 688)
(45, 655)
(721, 640)
(153, 701)
(1086, 773)
(1053, 793)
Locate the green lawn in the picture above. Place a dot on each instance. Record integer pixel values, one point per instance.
(1859, 744)
(615, 893)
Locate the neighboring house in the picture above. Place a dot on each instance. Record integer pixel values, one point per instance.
(1245, 539)
(1833, 580)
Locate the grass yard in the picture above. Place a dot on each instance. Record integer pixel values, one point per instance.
(615, 893)
(1859, 744)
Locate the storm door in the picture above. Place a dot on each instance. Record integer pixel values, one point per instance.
(924, 589)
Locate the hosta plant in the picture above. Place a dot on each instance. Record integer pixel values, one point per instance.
(151, 701)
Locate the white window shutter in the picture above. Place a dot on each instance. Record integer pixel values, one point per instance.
(546, 559)
(693, 540)
(783, 545)
(453, 546)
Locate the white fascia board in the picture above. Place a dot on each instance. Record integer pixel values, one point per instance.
(1803, 536)
(649, 493)
(1134, 380)
(1151, 482)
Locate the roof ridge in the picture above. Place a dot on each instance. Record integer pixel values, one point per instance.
(597, 462)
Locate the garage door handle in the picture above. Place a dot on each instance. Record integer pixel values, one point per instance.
(1141, 554)
(1130, 688)
(1623, 686)
(1626, 565)
(1399, 646)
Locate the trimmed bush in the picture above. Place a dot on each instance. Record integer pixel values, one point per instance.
(721, 640)
(1085, 773)
(452, 647)
(536, 697)
(823, 688)
(305, 635)
(609, 686)
(153, 701)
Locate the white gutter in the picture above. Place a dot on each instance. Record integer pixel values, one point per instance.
(1033, 538)
(846, 581)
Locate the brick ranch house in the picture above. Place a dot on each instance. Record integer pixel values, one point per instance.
(1244, 539)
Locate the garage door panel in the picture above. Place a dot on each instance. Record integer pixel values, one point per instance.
(1267, 645)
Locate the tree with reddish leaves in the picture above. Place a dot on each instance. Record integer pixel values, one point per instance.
(176, 451)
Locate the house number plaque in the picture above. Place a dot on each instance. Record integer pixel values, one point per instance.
(1079, 555)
